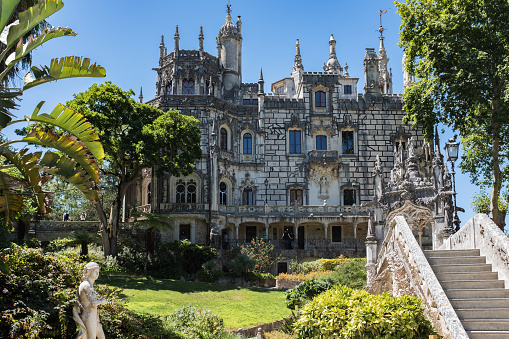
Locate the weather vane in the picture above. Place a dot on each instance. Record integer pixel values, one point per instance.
(381, 12)
(228, 7)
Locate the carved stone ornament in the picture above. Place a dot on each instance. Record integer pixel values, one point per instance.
(417, 216)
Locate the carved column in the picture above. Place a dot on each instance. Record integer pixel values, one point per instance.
(237, 231)
(371, 253)
(266, 229)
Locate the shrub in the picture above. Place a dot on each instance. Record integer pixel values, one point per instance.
(193, 322)
(33, 243)
(343, 312)
(305, 292)
(352, 273)
(241, 264)
(132, 258)
(304, 267)
(208, 276)
(302, 277)
(263, 254)
(59, 244)
(258, 276)
(331, 264)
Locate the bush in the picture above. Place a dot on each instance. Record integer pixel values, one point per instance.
(59, 244)
(263, 254)
(343, 312)
(352, 273)
(305, 292)
(33, 243)
(208, 276)
(331, 264)
(241, 264)
(132, 258)
(305, 267)
(258, 276)
(192, 322)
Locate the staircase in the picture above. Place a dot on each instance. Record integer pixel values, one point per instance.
(475, 293)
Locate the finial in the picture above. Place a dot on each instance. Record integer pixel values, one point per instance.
(297, 64)
(162, 41)
(381, 29)
(177, 31)
(261, 75)
(346, 70)
(228, 8)
(141, 94)
(200, 38)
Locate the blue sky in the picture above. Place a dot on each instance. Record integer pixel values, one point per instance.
(124, 36)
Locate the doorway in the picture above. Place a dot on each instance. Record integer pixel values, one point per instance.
(282, 267)
(300, 238)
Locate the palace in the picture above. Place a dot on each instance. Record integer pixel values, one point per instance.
(302, 159)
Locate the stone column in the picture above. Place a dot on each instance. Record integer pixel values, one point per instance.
(266, 229)
(237, 231)
(371, 254)
(355, 223)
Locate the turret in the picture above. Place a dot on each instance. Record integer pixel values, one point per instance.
(177, 40)
(385, 77)
(333, 65)
(200, 38)
(141, 94)
(371, 74)
(162, 50)
(230, 41)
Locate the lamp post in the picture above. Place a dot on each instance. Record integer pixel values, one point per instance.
(266, 185)
(452, 149)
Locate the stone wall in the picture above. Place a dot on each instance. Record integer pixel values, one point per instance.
(482, 233)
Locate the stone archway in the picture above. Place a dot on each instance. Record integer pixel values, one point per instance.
(418, 217)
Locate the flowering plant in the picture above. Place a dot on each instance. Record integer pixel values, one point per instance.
(262, 251)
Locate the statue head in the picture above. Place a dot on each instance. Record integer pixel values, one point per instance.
(91, 266)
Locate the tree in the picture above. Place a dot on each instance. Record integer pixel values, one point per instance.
(135, 136)
(458, 51)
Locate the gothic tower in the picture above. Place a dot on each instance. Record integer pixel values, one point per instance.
(230, 41)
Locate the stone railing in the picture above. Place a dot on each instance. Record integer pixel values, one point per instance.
(313, 244)
(402, 266)
(323, 155)
(144, 208)
(296, 210)
(184, 208)
(483, 234)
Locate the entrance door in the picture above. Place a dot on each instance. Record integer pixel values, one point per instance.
(282, 267)
(301, 237)
(250, 233)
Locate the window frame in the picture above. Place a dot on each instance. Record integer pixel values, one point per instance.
(223, 194)
(346, 147)
(248, 196)
(293, 146)
(321, 142)
(296, 194)
(347, 89)
(188, 85)
(320, 99)
(354, 196)
(247, 143)
(223, 138)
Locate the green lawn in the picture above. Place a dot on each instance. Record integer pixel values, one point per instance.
(239, 307)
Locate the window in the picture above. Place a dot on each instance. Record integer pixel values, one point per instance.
(247, 102)
(223, 194)
(347, 139)
(149, 193)
(247, 196)
(321, 142)
(169, 88)
(185, 232)
(294, 142)
(296, 196)
(336, 233)
(349, 197)
(280, 90)
(319, 99)
(254, 102)
(347, 89)
(185, 192)
(223, 142)
(188, 86)
(209, 88)
(248, 143)
(250, 233)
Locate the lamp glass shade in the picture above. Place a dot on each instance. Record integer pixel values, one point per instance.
(452, 148)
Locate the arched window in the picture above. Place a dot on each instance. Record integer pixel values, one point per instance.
(185, 192)
(223, 194)
(223, 139)
(248, 143)
(247, 196)
(169, 88)
(319, 99)
(149, 193)
(188, 86)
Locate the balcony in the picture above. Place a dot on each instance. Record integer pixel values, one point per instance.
(328, 156)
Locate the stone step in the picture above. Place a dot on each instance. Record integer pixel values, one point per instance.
(486, 324)
(488, 334)
(461, 268)
(477, 293)
(452, 253)
(476, 313)
(471, 284)
(482, 303)
(467, 276)
(456, 260)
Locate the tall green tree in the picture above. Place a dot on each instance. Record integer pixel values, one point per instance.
(458, 50)
(135, 136)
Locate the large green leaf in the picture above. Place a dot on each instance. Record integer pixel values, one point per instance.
(28, 165)
(28, 20)
(22, 50)
(65, 168)
(72, 122)
(63, 68)
(7, 7)
(7, 97)
(66, 144)
(11, 200)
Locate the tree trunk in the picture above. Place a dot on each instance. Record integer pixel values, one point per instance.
(497, 215)
(104, 229)
(84, 249)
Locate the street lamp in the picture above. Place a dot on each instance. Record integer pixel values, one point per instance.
(452, 149)
(266, 185)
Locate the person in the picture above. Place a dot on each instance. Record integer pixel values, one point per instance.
(66, 216)
(88, 322)
(83, 216)
(292, 240)
(225, 241)
(286, 238)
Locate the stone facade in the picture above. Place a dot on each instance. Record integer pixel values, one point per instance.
(300, 158)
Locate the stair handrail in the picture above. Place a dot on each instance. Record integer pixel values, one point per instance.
(425, 285)
(481, 233)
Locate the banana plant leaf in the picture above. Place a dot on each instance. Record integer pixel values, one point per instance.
(7, 7)
(63, 68)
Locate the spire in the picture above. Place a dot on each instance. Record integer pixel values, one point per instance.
(228, 11)
(260, 83)
(177, 39)
(297, 64)
(239, 25)
(333, 65)
(162, 48)
(200, 38)
(141, 94)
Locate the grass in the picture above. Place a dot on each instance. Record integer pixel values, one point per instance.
(239, 307)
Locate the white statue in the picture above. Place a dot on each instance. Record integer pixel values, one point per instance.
(88, 321)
